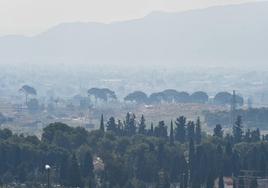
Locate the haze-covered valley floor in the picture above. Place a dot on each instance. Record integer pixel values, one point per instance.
(165, 101)
(60, 90)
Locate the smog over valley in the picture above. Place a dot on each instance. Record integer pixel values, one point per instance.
(134, 94)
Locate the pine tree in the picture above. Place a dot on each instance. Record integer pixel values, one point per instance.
(248, 136)
(228, 161)
(142, 126)
(262, 160)
(180, 132)
(161, 155)
(111, 125)
(236, 163)
(218, 132)
(130, 124)
(151, 132)
(102, 123)
(87, 168)
(198, 131)
(191, 158)
(120, 128)
(237, 130)
(171, 135)
(74, 173)
(255, 135)
(64, 169)
(191, 131)
(161, 130)
(219, 157)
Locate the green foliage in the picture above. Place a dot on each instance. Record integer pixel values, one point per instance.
(125, 157)
(137, 96)
(102, 124)
(180, 132)
(237, 130)
(198, 131)
(218, 132)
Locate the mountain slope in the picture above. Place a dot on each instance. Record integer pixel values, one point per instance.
(229, 35)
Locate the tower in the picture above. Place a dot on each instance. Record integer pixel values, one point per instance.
(233, 108)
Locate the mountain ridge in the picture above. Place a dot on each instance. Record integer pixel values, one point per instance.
(224, 34)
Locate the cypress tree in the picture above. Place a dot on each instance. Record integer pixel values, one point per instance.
(102, 123)
(161, 130)
(191, 130)
(262, 160)
(74, 173)
(191, 158)
(151, 130)
(237, 130)
(130, 124)
(171, 135)
(219, 158)
(198, 131)
(111, 125)
(87, 165)
(142, 126)
(180, 132)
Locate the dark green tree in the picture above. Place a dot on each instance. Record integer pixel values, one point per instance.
(191, 159)
(248, 136)
(191, 131)
(237, 130)
(151, 131)
(180, 132)
(142, 126)
(198, 130)
(87, 168)
(163, 180)
(218, 132)
(102, 124)
(161, 130)
(263, 163)
(111, 125)
(74, 179)
(171, 134)
(130, 124)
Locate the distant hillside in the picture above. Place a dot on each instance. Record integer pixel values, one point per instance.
(227, 35)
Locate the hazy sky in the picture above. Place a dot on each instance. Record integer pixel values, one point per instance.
(29, 17)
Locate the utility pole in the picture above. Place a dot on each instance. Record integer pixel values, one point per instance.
(47, 167)
(233, 108)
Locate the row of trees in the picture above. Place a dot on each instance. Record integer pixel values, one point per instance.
(169, 96)
(131, 154)
(253, 117)
(139, 97)
(182, 132)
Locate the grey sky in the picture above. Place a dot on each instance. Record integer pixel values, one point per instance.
(29, 17)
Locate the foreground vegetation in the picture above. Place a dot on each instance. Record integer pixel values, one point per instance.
(127, 154)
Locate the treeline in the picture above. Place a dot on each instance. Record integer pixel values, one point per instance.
(169, 96)
(104, 95)
(131, 154)
(252, 117)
